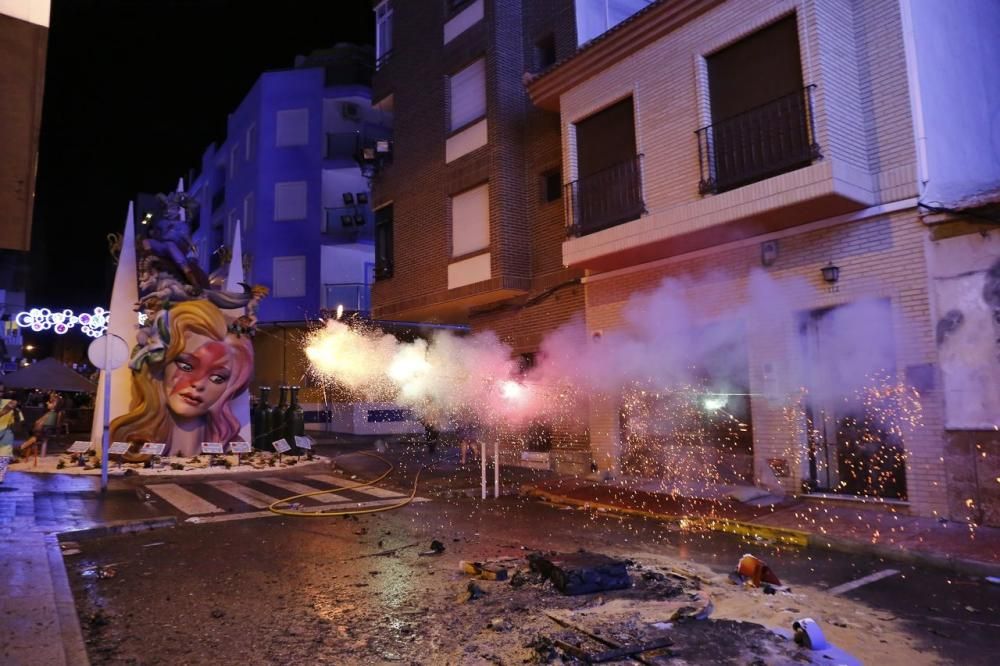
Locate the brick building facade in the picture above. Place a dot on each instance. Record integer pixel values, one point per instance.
(516, 283)
(807, 145)
(838, 170)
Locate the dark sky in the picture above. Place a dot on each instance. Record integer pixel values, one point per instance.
(135, 91)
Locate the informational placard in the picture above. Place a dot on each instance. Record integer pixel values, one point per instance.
(211, 448)
(303, 442)
(280, 445)
(239, 447)
(80, 447)
(153, 448)
(118, 448)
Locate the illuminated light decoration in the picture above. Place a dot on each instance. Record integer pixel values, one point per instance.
(93, 324)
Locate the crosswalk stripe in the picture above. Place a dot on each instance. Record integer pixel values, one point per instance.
(367, 490)
(183, 499)
(200, 520)
(252, 497)
(855, 584)
(301, 488)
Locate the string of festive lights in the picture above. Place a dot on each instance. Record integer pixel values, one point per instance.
(93, 323)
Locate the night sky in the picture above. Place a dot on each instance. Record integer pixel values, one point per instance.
(135, 91)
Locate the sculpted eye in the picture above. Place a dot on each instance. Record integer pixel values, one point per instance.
(216, 378)
(184, 365)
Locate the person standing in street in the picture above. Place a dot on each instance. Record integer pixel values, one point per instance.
(8, 417)
(45, 426)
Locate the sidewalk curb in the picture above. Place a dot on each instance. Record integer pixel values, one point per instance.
(119, 527)
(790, 536)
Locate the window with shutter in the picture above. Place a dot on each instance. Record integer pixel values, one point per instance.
(470, 221)
(290, 200)
(467, 95)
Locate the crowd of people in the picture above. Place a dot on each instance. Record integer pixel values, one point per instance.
(33, 436)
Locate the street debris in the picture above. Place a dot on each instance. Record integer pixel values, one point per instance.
(470, 593)
(581, 573)
(483, 571)
(500, 624)
(753, 571)
(436, 549)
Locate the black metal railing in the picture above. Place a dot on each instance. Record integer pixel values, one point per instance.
(770, 139)
(605, 199)
(354, 296)
(374, 143)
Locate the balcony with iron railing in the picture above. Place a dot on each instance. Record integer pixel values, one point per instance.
(605, 199)
(359, 145)
(353, 296)
(762, 142)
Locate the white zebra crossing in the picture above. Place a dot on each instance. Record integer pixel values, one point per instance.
(296, 488)
(183, 499)
(254, 498)
(339, 482)
(186, 500)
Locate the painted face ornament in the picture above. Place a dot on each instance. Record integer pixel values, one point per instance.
(198, 376)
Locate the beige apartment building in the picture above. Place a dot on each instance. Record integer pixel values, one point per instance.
(821, 176)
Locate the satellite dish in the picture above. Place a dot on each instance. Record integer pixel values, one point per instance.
(108, 352)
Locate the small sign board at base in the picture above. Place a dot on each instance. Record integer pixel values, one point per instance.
(212, 448)
(239, 447)
(118, 448)
(153, 448)
(280, 445)
(79, 447)
(303, 442)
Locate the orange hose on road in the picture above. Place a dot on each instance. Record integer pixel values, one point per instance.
(273, 508)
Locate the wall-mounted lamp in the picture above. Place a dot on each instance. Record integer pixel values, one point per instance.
(362, 198)
(348, 199)
(359, 220)
(831, 273)
(347, 220)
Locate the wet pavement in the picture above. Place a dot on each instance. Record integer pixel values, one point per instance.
(355, 590)
(206, 584)
(342, 590)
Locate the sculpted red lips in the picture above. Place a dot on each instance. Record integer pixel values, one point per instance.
(191, 399)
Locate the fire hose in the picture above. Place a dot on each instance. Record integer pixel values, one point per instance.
(348, 512)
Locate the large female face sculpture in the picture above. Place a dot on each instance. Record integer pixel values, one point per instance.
(197, 378)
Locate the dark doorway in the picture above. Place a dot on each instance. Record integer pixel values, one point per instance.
(854, 445)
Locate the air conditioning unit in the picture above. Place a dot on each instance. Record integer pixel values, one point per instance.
(350, 111)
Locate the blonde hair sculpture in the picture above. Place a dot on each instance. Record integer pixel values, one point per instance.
(148, 418)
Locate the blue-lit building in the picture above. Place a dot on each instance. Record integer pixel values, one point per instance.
(294, 171)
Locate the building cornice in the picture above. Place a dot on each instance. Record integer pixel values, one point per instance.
(629, 36)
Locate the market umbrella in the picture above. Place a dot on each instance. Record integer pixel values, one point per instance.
(48, 374)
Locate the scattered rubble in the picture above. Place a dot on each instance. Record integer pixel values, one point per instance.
(581, 573)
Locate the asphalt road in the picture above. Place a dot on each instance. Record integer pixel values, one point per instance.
(339, 590)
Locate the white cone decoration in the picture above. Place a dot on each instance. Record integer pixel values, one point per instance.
(240, 405)
(124, 296)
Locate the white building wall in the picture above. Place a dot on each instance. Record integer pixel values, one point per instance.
(954, 58)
